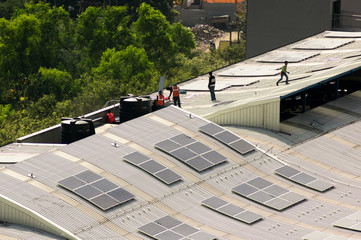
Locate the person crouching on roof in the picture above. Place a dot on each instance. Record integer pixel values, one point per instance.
(160, 99)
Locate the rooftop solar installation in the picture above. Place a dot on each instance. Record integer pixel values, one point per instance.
(231, 210)
(191, 152)
(343, 35)
(152, 167)
(96, 189)
(170, 228)
(291, 57)
(268, 194)
(227, 137)
(303, 178)
(249, 71)
(322, 44)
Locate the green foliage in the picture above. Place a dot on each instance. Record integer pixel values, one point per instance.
(52, 66)
(125, 71)
(8, 7)
(99, 29)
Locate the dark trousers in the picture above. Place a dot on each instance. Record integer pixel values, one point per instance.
(176, 101)
(283, 74)
(213, 96)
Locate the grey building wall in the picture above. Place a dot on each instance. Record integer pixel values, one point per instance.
(351, 6)
(274, 23)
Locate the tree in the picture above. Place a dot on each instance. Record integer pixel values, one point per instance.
(161, 40)
(99, 29)
(125, 71)
(164, 6)
(56, 31)
(19, 49)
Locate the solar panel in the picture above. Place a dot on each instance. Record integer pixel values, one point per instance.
(183, 154)
(88, 191)
(152, 167)
(242, 146)
(287, 171)
(168, 235)
(248, 217)
(121, 195)
(71, 183)
(169, 228)
(268, 194)
(214, 157)
(88, 176)
(227, 137)
(96, 189)
(259, 183)
(214, 202)
(185, 229)
(168, 176)
(261, 197)
(136, 158)
(168, 221)
(245, 189)
(183, 139)
(303, 178)
(275, 190)
(199, 163)
(211, 129)
(104, 185)
(167, 145)
(231, 210)
(152, 229)
(198, 148)
(191, 152)
(104, 202)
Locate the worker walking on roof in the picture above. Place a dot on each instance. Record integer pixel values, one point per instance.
(211, 86)
(283, 73)
(160, 99)
(175, 91)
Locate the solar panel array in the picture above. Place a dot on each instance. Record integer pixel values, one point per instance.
(268, 194)
(227, 137)
(169, 228)
(323, 44)
(291, 56)
(152, 167)
(96, 189)
(303, 178)
(231, 210)
(191, 152)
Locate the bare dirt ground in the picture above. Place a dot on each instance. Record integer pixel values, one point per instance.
(205, 34)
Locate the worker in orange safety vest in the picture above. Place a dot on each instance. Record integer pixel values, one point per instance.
(176, 91)
(160, 99)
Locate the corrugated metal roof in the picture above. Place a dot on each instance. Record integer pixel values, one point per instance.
(324, 143)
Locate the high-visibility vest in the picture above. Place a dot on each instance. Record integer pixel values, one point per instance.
(111, 118)
(175, 90)
(160, 101)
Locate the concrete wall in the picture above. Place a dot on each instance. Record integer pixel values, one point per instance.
(53, 134)
(276, 23)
